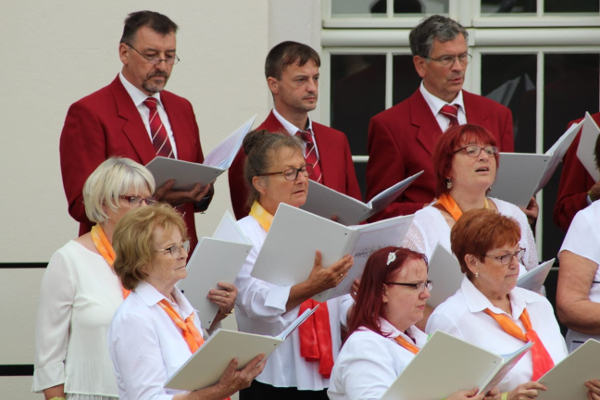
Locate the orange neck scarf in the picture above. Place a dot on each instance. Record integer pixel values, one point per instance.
(105, 249)
(190, 333)
(449, 204)
(315, 332)
(406, 344)
(542, 362)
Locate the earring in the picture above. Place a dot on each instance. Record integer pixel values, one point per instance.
(448, 184)
(476, 274)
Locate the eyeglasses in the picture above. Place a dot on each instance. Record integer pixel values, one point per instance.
(291, 174)
(507, 258)
(135, 201)
(474, 150)
(419, 287)
(155, 60)
(175, 249)
(447, 61)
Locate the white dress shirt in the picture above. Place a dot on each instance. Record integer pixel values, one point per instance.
(369, 363)
(583, 239)
(260, 308)
(78, 297)
(138, 98)
(429, 227)
(435, 105)
(463, 316)
(293, 129)
(146, 346)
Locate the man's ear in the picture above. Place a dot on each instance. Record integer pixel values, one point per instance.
(273, 85)
(420, 65)
(124, 53)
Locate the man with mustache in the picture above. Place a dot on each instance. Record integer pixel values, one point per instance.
(134, 117)
(402, 138)
(292, 72)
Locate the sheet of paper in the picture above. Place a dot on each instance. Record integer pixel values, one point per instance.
(186, 174)
(534, 279)
(222, 156)
(518, 176)
(566, 380)
(213, 261)
(587, 144)
(445, 273)
(385, 198)
(510, 361)
(229, 230)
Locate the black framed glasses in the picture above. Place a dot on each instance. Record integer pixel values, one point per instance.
(419, 287)
(155, 60)
(473, 150)
(507, 258)
(135, 201)
(291, 174)
(447, 61)
(175, 250)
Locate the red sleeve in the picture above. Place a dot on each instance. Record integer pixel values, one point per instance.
(237, 186)
(575, 182)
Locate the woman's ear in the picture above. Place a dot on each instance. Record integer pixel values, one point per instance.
(384, 297)
(260, 184)
(471, 262)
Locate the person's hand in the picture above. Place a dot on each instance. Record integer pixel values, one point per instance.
(326, 278)
(493, 394)
(466, 394)
(594, 387)
(334, 218)
(354, 288)
(232, 381)
(531, 211)
(524, 391)
(224, 297)
(594, 192)
(176, 198)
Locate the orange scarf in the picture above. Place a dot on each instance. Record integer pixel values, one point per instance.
(105, 249)
(315, 333)
(406, 344)
(447, 203)
(542, 362)
(190, 333)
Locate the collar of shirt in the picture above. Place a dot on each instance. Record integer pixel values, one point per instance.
(291, 128)
(150, 296)
(390, 331)
(477, 302)
(136, 94)
(436, 104)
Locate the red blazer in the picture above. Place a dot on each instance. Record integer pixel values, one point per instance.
(575, 183)
(334, 155)
(107, 123)
(401, 142)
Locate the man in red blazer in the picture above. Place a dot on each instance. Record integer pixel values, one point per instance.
(292, 72)
(577, 188)
(114, 120)
(402, 138)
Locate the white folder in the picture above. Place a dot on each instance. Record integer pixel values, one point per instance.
(566, 380)
(587, 146)
(214, 260)
(446, 365)
(188, 174)
(288, 253)
(444, 271)
(535, 278)
(205, 367)
(327, 202)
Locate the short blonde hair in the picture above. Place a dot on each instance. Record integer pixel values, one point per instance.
(113, 178)
(133, 244)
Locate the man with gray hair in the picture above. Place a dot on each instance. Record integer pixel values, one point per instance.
(402, 138)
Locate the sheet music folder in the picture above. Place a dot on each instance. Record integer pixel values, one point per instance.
(288, 253)
(327, 202)
(433, 373)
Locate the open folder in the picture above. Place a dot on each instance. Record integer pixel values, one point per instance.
(587, 146)
(534, 279)
(327, 202)
(214, 260)
(522, 175)
(288, 253)
(188, 174)
(434, 373)
(205, 367)
(566, 380)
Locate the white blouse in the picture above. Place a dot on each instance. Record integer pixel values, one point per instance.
(430, 227)
(583, 239)
(260, 308)
(369, 363)
(463, 316)
(146, 346)
(78, 297)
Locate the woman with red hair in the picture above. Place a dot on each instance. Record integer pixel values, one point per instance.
(383, 339)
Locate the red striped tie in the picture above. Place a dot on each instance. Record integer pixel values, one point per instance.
(311, 155)
(450, 112)
(160, 139)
